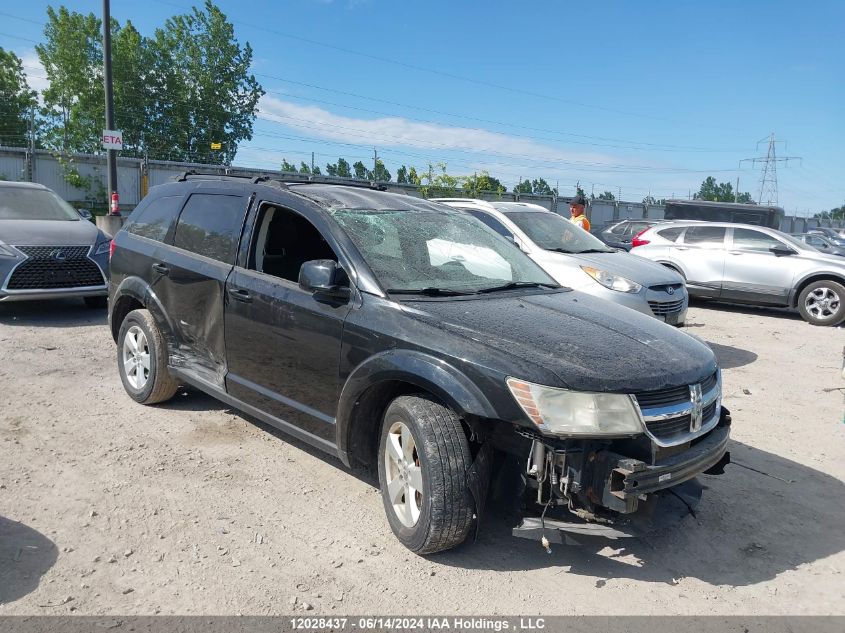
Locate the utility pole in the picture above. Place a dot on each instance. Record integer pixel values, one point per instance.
(736, 193)
(312, 163)
(30, 163)
(111, 155)
(375, 163)
(769, 179)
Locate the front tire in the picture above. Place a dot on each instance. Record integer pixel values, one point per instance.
(142, 359)
(822, 303)
(423, 460)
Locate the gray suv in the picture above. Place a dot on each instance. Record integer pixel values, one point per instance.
(47, 250)
(750, 264)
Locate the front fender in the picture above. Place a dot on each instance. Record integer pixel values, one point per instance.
(429, 373)
(141, 291)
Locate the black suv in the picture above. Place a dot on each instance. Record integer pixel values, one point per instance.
(402, 334)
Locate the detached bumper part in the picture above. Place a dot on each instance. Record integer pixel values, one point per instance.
(629, 478)
(639, 496)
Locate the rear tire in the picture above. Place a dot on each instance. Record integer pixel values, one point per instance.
(423, 459)
(96, 303)
(822, 303)
(142, 359)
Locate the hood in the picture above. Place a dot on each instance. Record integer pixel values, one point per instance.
(48, 232)
(590, 344)
(643, 271)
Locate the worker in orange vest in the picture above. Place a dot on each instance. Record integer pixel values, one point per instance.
(576, 208)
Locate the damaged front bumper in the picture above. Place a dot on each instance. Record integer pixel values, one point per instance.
(601, 491)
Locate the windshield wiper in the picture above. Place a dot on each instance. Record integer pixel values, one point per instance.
(516, 284)
(429, 292)
(593, 250)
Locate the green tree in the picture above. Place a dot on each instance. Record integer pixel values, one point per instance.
(607, 195)
(317, 171)
(437, 183)
(219, 102)
(413, 177)
(402, 175)
(17, 100)
(540, 186)
(482, 182)
(361, 172)
(721, 192)
(286, 166)
(304, 168)
(72, 57)
(837, 213)
(524, 186)
(381, 174)
(579, 191)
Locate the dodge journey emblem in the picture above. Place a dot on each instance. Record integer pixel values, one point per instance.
(697, 409)
(670, 290)
(58, 255)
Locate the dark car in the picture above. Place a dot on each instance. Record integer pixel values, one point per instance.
(335, 314)
(619, 233)
(822, 243)
(47, 250)
(835, 235)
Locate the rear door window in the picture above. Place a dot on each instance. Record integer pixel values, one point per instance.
(210, 225)
(156, 219)
(710, 236)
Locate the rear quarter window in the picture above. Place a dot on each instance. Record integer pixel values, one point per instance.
(670, 234)
(210, 225)
(154, 219)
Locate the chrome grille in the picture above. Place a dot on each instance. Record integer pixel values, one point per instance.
(51, 267)
(663, 308)
(668, 413)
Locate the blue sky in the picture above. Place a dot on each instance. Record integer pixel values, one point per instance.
(633, 96)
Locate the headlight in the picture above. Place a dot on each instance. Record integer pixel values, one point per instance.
(7, 252)
(614, 282)
(103, 248)
(565, 412)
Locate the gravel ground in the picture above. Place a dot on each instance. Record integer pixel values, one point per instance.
(108, 507)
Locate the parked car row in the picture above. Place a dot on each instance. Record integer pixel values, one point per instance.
(441, 342)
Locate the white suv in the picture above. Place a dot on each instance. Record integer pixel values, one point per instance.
(576, 259)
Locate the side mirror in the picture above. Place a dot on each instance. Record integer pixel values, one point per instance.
(85, 213)
(782, 251)
(322, 276)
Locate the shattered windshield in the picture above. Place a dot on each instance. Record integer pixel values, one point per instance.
(437, 252)
(552, 232)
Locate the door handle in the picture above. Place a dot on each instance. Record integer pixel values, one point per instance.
(682, 248)
(161, 268)
(240, 295)
(735, 252)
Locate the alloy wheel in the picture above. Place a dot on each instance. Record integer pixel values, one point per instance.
(822, 303)
(136, 357)
(403, 474)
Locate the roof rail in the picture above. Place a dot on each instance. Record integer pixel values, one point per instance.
(195, 175)
(373, 185)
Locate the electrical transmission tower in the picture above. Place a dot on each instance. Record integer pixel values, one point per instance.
(769, 179)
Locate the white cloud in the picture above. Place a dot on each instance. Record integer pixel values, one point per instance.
(402, 132)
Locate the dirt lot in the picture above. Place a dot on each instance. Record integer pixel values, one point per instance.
(187, 508)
